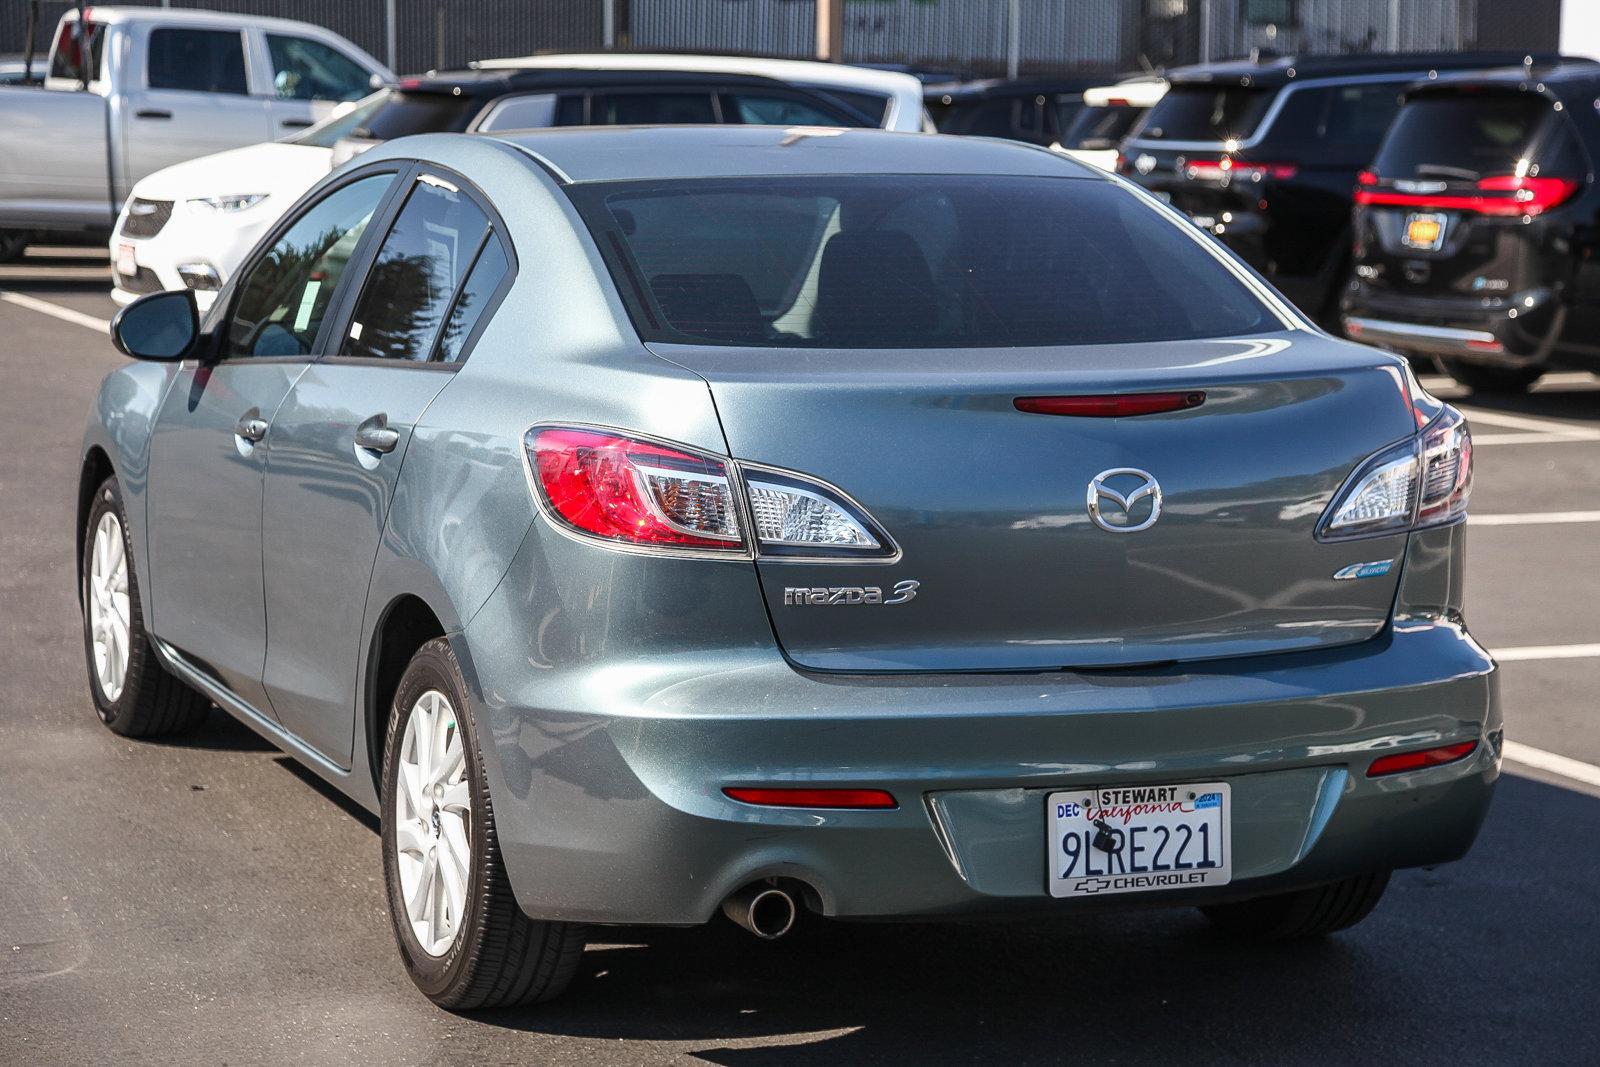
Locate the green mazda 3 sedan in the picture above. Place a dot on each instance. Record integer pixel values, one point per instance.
(647, 523)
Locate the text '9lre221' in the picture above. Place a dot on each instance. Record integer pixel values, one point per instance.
(652, 522)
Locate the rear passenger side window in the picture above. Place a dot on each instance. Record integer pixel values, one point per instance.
(418, 270)
(200, 61)
(520, 113)
(650, 109)
(473, 300)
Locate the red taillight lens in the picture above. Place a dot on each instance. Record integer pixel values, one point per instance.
(812, 798)
(1366, 177)
(1416, 761)
(625, 489)
(1527, 196)
(1110, 407)
(1238, 170)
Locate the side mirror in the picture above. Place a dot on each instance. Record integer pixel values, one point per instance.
(161, 326)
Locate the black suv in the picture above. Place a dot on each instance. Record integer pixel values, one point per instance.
(1265, 155)
(1035, 110)
(1475, 227)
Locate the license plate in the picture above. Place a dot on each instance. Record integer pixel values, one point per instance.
(125, 260)
(1134, 839)
(1424, 230)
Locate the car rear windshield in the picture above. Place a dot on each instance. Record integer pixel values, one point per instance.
(909, 261)
(331, 131)
(1461, 137)
(406, 113)
(1099, 128)
(1206, 113)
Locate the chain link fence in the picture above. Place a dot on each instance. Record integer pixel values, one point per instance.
(975, 37)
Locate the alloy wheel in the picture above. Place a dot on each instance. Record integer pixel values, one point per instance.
(110, 621)
(433, 823)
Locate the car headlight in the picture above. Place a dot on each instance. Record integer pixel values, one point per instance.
(1424, 481)
(226, 204)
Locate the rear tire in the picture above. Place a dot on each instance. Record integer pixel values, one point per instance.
(1305, 913)
(442, 869)
(1481, 378)
(133, 693)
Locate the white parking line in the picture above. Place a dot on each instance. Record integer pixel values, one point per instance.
(65, 314)
(1534, 518)
(1527, 439)
(1527, 652)
(1552, 763)
(1523, 422)
(1434, 382)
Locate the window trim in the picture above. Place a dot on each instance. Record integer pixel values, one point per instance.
(245, 47)
(344, 308)
(214, 329)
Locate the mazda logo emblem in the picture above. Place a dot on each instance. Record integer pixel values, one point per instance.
(1119, 518)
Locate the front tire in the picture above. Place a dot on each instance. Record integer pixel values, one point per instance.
(464, 940)
(133, 693)
(1305, 913)
(1482, 378)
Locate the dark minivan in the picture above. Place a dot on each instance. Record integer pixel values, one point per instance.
(1265, 155)
(1475, 227)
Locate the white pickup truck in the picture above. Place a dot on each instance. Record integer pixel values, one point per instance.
(130, 90)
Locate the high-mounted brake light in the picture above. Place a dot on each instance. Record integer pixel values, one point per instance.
(1424, 481)
(812, 798)
(1113, 406)
(1503, 195)
(1401, 762)
(1237, 170)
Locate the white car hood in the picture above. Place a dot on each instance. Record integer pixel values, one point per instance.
(272, 168)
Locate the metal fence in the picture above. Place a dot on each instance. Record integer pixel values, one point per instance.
(973, 36)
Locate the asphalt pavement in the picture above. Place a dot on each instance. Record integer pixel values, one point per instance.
(206, 901)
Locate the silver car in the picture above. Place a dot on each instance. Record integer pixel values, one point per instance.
(652, 522)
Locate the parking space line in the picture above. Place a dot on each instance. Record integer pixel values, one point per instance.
(65, 314)
(1528, 439)
(1523, 422)
(1527, 652)
(1552, 763)
(1534, 518)
(1432, 382)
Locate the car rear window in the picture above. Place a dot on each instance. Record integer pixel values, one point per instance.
(1099, 128)
(1207, 113)
(909, 261)
(406, 113)
(1460, 137)
(331, 131)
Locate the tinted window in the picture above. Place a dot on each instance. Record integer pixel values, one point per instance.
(1068, 107)
(201, 61)
(473, 300)
(423, 259)
(1446, 137)
(282, 301)
(330, 132)
(521, 113)
(1203, 113)
(1101, 127)
(1359, 114)
(403, 114)
(763, 109)
(310, 70)
(650, 109)
(872, 106)
(68, 61)
(909, 261)
(982, 118)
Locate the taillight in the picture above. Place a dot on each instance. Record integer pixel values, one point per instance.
(1110, 406)
(634, 491)
(1237, 170)
(1504, 195)
(655, 494)
(1424, 481)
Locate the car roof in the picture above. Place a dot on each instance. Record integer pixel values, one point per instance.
(481, 82)
(1561, 81)
(1281, 70)
(180, 16)
(1000, 88)
(1136, 92)
(624, 153)
(804, 71)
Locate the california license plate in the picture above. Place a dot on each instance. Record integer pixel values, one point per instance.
(1424, 230)
(125, 261)
(1134, 839)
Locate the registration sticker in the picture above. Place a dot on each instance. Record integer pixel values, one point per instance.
(1424, 230)
(1133, 839)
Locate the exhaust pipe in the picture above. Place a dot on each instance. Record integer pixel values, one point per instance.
(768, 911)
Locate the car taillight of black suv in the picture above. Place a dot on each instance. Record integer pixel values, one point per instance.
(1475, 227)
(1264, 155)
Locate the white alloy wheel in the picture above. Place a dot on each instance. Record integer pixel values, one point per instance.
(110, 621)
(433, 823)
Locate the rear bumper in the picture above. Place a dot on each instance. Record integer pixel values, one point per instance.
(1517, 332)
(607, 777)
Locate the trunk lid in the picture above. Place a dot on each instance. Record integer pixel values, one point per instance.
(989, 504)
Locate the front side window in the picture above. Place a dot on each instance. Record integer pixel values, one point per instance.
(424, 257)
(1205, 113)
(282, 301)
(909, 261)
(198, 61)
(303, 69)
(765, 109)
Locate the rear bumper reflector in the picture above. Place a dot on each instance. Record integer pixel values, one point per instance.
(1114, 406)
(811, 798)
(1401, 762)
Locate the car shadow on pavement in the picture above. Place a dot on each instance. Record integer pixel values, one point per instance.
(1577, 402)
(220, 732)
(1492, 958)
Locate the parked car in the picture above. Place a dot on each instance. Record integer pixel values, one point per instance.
(14, 70)
(616, 514)
(189, 225)
(1265, 155)
(1110, 112)
(1475, 235)
(1036, 110)
(131, 90)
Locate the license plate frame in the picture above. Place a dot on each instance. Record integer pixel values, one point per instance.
(1076, 868)
(1424, 230)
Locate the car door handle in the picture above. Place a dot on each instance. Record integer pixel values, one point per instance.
(251, 428)
(152, 113)
(295, 124)
(374, 435)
